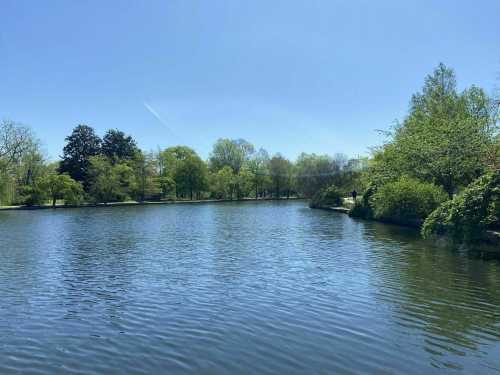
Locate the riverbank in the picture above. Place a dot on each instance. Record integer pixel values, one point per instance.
(492, 237)
(143, 203)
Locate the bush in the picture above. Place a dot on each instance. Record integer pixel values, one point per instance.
(469, 214)
(32, 195)
(406, 201)
(362, 208)
(329, 197)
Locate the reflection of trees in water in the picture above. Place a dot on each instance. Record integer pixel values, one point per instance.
(448, 295)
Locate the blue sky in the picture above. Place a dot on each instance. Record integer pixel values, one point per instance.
(289, 76)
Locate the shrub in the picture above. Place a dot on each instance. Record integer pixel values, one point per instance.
(469, 214)
(32, 195)
(406, 201)
(362, 208)
(329, 197)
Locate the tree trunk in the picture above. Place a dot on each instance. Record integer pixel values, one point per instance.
(54, 201)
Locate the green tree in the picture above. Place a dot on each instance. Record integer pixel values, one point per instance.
(118, 147)
(222, 183)
(315, 172)
(232, 153)
(258, 167)
(169, 161)
(445, 139)
(110, 182)
(61, 186)
(190, 176)
(20, 161)
(80, 147)
(147, 185)
(281, 173)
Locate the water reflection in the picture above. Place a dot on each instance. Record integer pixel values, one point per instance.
(234, 288)
(451, 299)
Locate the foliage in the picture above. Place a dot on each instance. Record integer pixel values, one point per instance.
(110, 182)
(222, 183)
(406, 201)
(445, 139)
(190, 176)
(281, 173)
(81, 146)
(146, 186)
(118, 146)
(315, 172)
(466, 217)
(32, 195)
(15, 140)
(231, 153)
(258, 168)
(61, 186)
(329, 197)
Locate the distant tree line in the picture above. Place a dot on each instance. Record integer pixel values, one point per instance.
(114, 169)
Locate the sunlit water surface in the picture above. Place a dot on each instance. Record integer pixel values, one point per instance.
(269, 287)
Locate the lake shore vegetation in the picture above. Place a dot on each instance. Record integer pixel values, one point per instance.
(438, 168)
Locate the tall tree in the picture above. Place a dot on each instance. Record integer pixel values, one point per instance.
(281, 172)
(116, 145)
(191, 175)
(258, 166)
(20, 161)
(444, 139)
(230, 152)
(170, 160)
(15, 140)
(81, 145)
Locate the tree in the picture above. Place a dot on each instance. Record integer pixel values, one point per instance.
(21, 162)
(315, 172)
(81, 146)
(222, 183)
(232, 153)
(117, 146)
(191, 175)
(110, 182)
(258, 166)
(61, 186)
(145, 172)
(170, 160)
(445, 138)
(15, 140)
(281, 172)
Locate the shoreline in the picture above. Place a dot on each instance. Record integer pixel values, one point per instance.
(144, 203)
(492, 237)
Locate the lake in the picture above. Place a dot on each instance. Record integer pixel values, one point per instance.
(233, 288)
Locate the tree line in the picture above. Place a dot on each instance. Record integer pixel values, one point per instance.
(114, 169)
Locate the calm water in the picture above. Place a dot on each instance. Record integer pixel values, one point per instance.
(238, 288)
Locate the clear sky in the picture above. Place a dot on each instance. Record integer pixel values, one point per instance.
(289, 76)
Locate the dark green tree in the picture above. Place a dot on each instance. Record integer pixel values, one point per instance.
(116, 145)
(81, 145)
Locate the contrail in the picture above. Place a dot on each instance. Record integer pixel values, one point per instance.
(158, 117)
